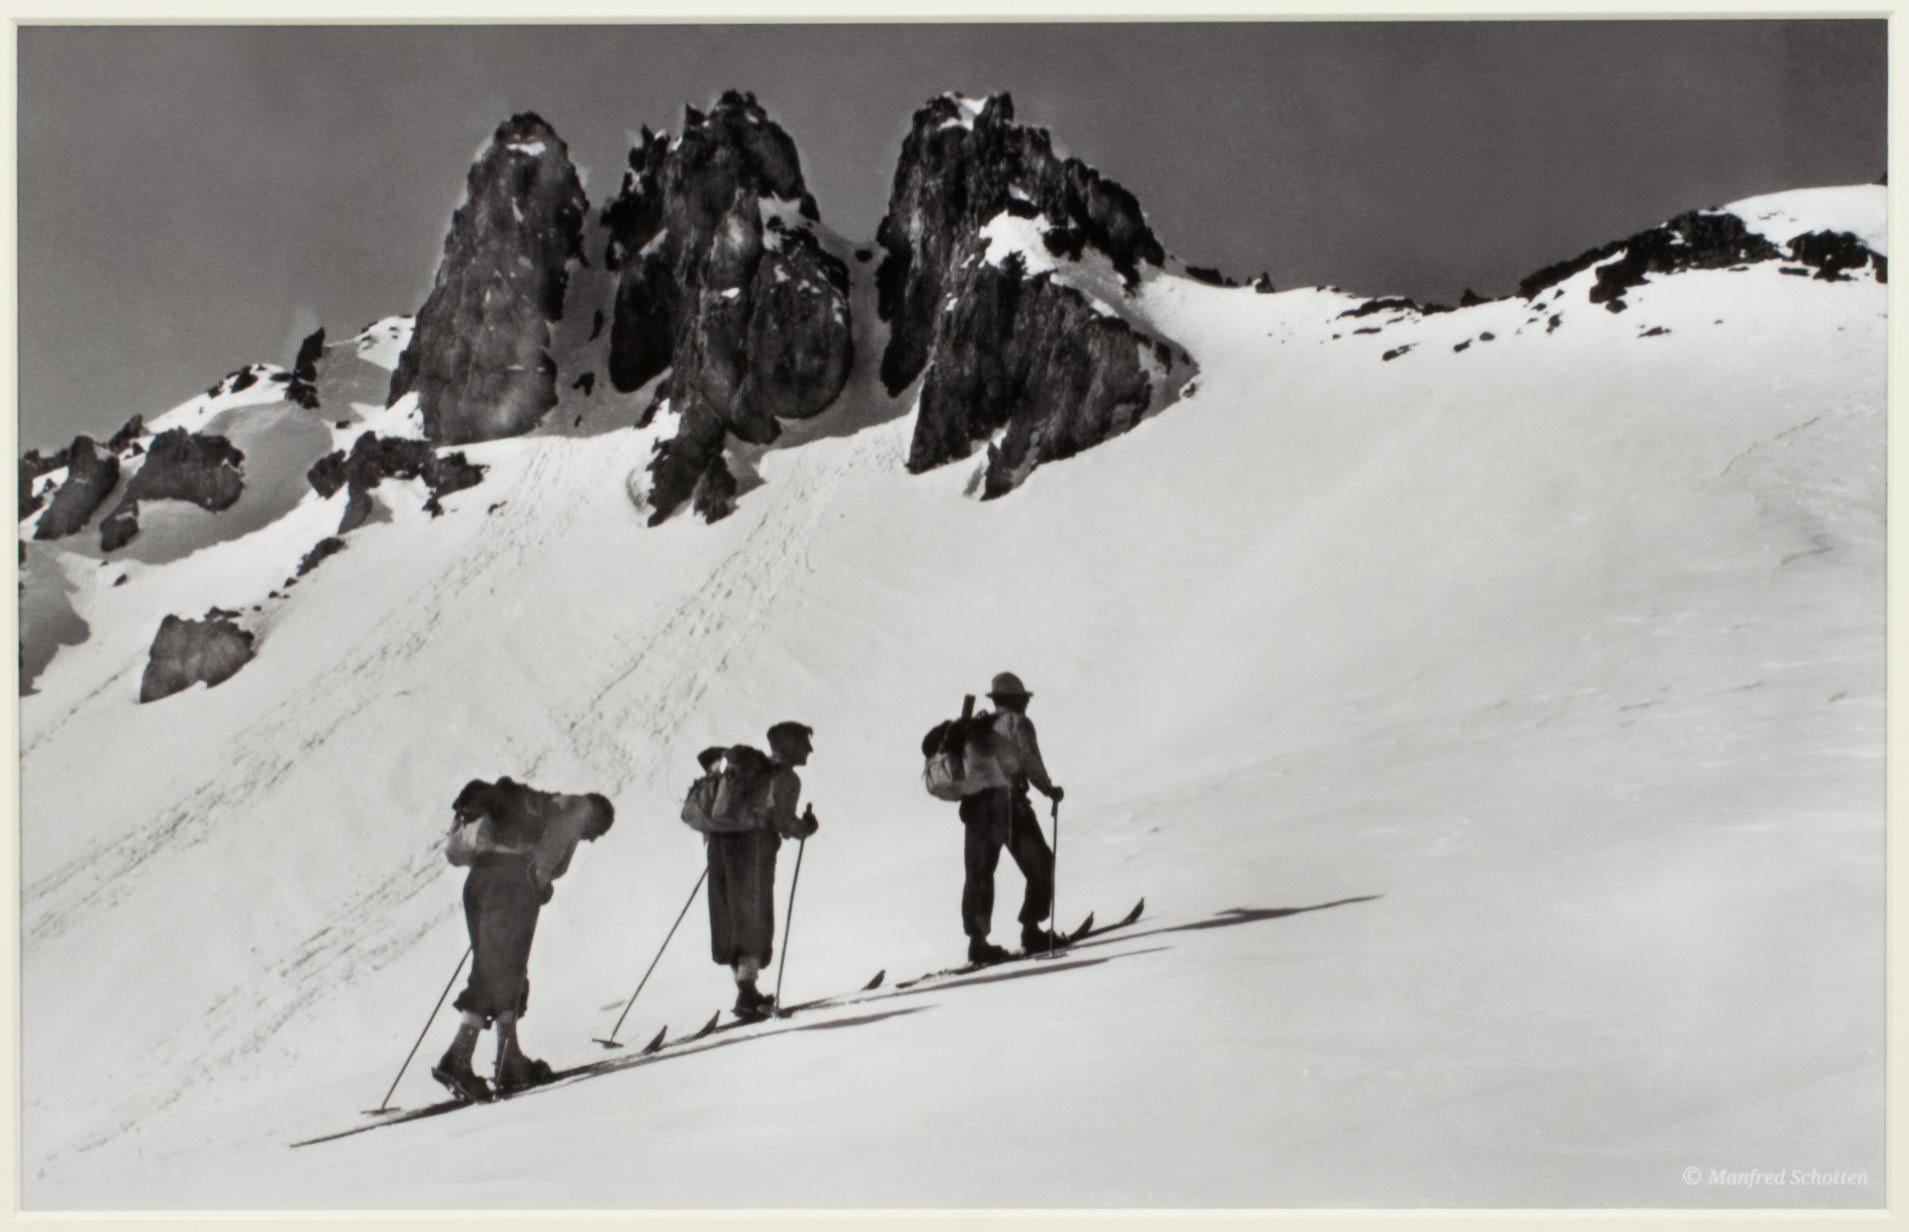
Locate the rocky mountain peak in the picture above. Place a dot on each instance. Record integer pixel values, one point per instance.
(963, 163)
(479, 358)
(723, 281)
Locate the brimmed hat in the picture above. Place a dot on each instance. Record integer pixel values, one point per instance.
(1007, 684)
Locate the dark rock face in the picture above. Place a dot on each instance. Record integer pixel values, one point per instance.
(91, 475)
(1395, 304)
(1210, 275)
(1831, 253)
(328, 546)
(303, 388)
(372, 459)
(478, 358)
(188, 652)
(120, 527)
(742, 305)
(127, 435)
(716, 493)
(198, 467)
(955, 173)
(997, 350)
(34, 464)
(1034, 359)
(233, 382)
(201, 468)
(1695, 240)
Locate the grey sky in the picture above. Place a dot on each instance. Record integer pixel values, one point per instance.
(193, 199)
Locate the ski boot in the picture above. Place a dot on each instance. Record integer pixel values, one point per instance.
(453, 1071)
(982, 952)
(1038, 940)
(751, 1003)
(516, 1072)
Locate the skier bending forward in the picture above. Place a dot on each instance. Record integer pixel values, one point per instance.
(516, 841)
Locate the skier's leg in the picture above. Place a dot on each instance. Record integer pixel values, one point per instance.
(981, 853)
(722, 945)
(454, 1070)
(1035, 859)
(479, 996)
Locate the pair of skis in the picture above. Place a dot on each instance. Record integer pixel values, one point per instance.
(660, 1042)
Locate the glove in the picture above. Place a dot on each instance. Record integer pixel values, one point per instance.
(1058, 794)
(809, 823)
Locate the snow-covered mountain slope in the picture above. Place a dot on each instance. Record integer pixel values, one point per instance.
(1490, 710)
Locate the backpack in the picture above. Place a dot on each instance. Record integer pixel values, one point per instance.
(510, 819)
(732, 794)
(959, 758)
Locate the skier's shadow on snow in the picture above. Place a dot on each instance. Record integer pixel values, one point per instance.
(1229, 918)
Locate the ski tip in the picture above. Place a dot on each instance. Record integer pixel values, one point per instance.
(708, 1026)
(1086, 926)
(656, 1043)
(1135, 913)
(876, 982)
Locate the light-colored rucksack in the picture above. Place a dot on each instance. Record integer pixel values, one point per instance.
(959, 757)
(732, 794)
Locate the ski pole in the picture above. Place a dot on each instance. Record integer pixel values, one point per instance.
(1056, 895)
(788, 919)
(384, 1105)
(611, 1042)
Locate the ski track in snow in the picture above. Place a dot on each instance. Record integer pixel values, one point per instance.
(663, 680)
(650, 693)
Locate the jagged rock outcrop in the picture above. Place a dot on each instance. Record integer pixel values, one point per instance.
(1395, 303)
(1033, 361)
(202, 468)
(373, 458)
(188, 652)
(303, 386)
(91, 475)
(1833, 253)
(1699, 239)
(722, 281)
(325, 548)
(961, 165)
(34, 464)
(479, 357)
(1003, 351)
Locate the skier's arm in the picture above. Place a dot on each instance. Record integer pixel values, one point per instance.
(1031, 764)
(784, 791)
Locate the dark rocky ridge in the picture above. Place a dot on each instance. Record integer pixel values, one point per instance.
(751, 317)
(1831, 253)
(1002, 352)
(479, 356)
(1395, 304)
(1699, 239)
(372, 459)
(202, 468)
(188, 652)
(950, 180)
(91, 475)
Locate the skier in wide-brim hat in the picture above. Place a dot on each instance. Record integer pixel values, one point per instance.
(1003, 817)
